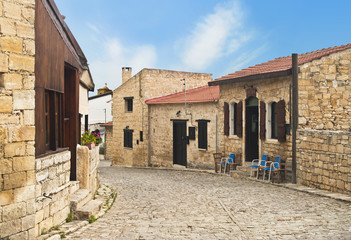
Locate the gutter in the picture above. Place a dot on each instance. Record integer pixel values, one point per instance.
(295, 111)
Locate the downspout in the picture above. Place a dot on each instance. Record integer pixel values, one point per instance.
(216, 133)
(186, 111)
(295, 111)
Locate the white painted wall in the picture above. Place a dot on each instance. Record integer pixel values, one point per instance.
(99, 108)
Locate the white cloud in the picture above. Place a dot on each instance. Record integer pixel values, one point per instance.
(244, 59)
(94, 28)
(216, 35)
(108, 67)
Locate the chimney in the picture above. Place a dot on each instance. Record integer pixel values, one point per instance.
(126, 74)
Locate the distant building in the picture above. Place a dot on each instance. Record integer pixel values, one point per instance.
(182, 135)
(131, 115)
(100, 111)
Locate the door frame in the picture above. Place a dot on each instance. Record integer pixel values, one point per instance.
(182, 123)
(249, 147)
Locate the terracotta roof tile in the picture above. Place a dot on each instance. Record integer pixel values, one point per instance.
(196, 95)
(107, 124)
(283, 63)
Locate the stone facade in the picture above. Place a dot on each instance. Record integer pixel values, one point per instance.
(147, 84)
(161, 133)
(323, 135)
(87, 169)
(17, 130)
(108, 143)
(268, 90)
(52, 180)
(323, 147)
(34, 190)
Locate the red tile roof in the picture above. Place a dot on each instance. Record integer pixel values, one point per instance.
(107, 124)
(196, 95)
(279, 65)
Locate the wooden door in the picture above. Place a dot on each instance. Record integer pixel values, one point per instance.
(179, 143)
(251, 130)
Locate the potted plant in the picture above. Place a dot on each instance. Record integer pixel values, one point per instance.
(88, 139)
(97, 135)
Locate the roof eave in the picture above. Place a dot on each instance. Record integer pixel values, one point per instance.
(261, 76)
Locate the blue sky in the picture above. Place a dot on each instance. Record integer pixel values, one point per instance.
(218, 37)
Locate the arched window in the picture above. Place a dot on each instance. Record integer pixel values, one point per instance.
(233, 118)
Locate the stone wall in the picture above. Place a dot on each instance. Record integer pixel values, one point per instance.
(147, 84)
(53, 180)
(109, 143)
(161, 134)
(324, 123)
(17, 130)
(268, 90)
(87, 167)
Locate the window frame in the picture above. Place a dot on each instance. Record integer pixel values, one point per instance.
(128, 104)
(272, 124)
(233, 119)
(202, 134)
(128, 138)
(53, 120)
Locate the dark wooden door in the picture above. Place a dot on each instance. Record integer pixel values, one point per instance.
(251, 143)
(71, 120)
(179, 143)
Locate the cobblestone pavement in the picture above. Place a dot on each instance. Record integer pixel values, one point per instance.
(167, 204)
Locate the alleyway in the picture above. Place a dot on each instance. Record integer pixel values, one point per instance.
(163, 204)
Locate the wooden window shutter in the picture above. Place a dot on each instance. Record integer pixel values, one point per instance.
(239, 119)
(262, 120)
(281, 121)
(226, 119)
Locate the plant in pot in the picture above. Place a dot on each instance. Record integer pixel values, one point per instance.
(97, 135)
(88, 139)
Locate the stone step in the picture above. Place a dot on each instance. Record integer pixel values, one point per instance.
(91, 208)
(79, 199)
(73, 187)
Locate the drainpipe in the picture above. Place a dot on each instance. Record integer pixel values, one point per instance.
(216, 132)
(295, 112)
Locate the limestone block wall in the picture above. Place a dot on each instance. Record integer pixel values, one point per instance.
(109, 144)
(268, 90)
(17, 130)
(87, 167)
(148, 83)
(161, 134)
(324, 123)
(53, 180)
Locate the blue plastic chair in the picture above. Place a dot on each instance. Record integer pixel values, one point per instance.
(273, 166)
(257, 163)
(227, 162)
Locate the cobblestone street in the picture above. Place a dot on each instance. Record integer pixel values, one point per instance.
(167, 204)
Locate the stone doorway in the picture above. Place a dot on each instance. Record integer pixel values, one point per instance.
(251, 129)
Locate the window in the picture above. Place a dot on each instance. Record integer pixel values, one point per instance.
(128, 104)
(202, 137)
(233, 118)
(128, 138)
(141, 136)
(272, 121)
(53, 120)
(191, 133)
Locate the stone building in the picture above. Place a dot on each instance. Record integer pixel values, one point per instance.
(42, 73)
(256, 116)
(131, 113)
(184, 134)
(108, 139)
